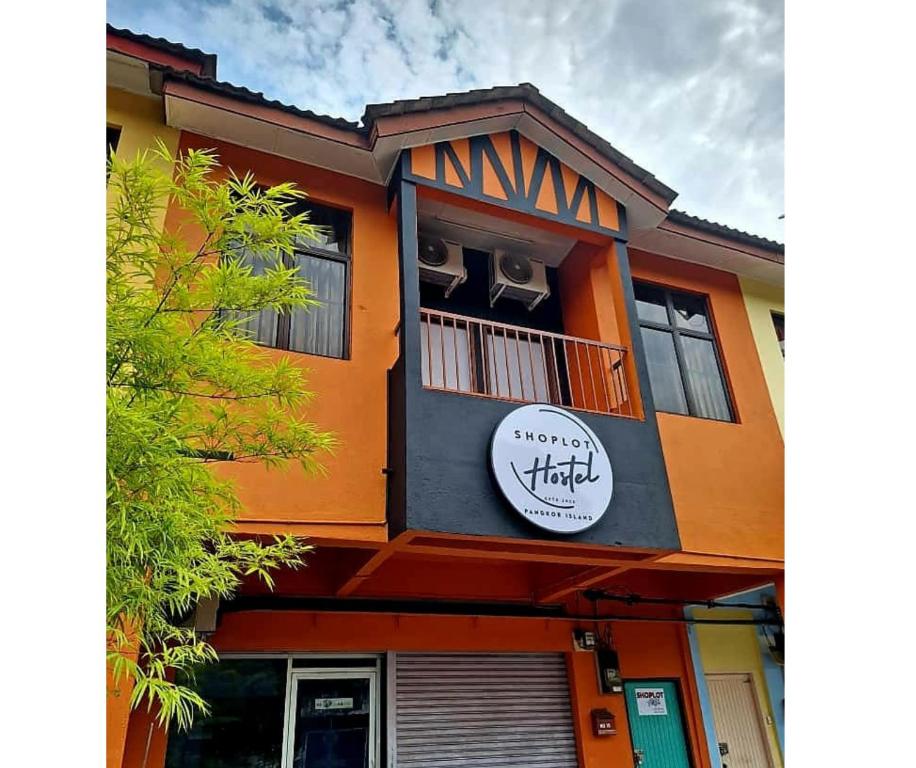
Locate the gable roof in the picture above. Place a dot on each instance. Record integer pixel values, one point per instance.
(730, 233)
(256, 98)
(525, 92)
(206, 61)
(205, 80)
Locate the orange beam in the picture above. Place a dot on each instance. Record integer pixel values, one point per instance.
(584, 579)
(373, 564)
(527, 557)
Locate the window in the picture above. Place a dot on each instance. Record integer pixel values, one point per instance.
(681, 352)
(325, 264)
(327, 708)
(114, 136)
(465, 357)
(247, 698)
(779, 324)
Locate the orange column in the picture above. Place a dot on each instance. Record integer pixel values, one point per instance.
(117, 717)
(597, 751)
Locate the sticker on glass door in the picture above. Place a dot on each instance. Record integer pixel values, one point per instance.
(333, 719)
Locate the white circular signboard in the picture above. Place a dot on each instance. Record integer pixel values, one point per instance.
(551, 468)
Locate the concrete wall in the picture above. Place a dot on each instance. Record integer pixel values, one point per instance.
(735, 649)
(761, 300)
(141, 121)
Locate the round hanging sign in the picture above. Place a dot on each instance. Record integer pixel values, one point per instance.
(551, 468)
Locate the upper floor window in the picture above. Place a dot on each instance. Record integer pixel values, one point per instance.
(779, 324)
(682, 354)
(113, 136)
(325, 264)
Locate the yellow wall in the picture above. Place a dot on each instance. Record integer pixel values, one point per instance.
(761, 299)
(141, 121)
(736, 649)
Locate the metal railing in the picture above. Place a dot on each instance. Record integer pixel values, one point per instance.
(509, 362)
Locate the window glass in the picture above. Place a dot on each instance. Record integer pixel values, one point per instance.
(664, 375)
(779, 324)
(320, 329)
(690, 311)
(684, 371)
(247, 698)
(445, 356)
(113, 137)
(704, 379)
(651, 303)
(516, 368)
(261, 326)
(332, 723)
(334, 228)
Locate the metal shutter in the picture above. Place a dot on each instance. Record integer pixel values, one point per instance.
(483, 711)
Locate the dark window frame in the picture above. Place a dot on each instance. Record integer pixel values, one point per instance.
(677, 332)
(112, 139)
(113, 132)
(344, 257)
(776, 328)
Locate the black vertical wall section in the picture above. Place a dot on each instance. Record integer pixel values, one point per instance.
(438, 441)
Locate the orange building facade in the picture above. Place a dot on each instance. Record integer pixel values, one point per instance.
(502, 290)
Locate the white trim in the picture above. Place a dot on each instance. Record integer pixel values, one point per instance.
(391, 707)
(740, 593)
(330, 673)
(287, 708)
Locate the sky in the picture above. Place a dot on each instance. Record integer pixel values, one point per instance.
(691, 90)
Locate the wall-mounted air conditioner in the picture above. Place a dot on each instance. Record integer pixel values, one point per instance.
(514, 276)
(441, 262)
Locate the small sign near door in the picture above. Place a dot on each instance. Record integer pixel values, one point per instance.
(322, 704)
(651, 701)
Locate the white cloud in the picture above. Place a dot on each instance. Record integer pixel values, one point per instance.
(691, 91)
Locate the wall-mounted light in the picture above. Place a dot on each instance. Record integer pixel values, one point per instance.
(775, 637)
(776, 645)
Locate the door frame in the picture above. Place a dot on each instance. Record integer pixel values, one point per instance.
(758, 713)
(678, 689)
(330, 673)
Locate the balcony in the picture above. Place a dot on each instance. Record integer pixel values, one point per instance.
(467, 360)
(523, 365)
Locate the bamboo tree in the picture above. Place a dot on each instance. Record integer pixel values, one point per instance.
(188, 390)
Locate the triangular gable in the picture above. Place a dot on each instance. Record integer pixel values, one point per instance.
(509, 170)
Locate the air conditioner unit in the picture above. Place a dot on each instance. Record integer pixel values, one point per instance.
(202, 617)
(513, 276)
(441, 262)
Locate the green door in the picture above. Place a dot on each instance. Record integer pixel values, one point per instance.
(656, 727)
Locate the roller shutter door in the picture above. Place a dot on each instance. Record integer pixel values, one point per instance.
(483, 711)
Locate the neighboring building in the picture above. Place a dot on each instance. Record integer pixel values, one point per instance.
(766, 310)
(135, 119)
(486, 251)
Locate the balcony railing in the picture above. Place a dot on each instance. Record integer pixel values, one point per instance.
(509, 362)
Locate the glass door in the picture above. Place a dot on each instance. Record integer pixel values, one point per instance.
(332, 720)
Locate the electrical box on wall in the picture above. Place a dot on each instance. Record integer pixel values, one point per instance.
(609, 680)
(583, 640)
